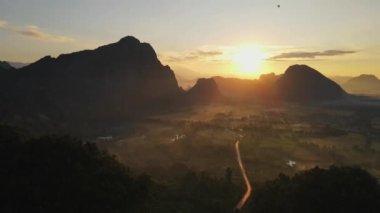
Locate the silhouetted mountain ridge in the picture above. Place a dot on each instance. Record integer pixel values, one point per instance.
(299, 83)
(112, 81)
(303, 83)
(126, 79)
(247, 89)
(5, 66)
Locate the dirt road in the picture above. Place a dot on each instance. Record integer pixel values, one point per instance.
(246, 180)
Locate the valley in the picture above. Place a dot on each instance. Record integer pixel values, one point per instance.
(271, 137)
(249, 106)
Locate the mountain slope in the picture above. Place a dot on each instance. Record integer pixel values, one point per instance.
(341, 80)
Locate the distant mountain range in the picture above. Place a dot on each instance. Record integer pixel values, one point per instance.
(299, 83)
(363, 84)
(125, 79)
(247, 89)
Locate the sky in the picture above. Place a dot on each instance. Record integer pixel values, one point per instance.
(239, 38)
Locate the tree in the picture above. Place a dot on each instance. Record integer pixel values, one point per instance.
(335, 190)
(63, 174)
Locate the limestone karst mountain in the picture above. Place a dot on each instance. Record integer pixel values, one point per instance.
(111, 81)
(303, 83)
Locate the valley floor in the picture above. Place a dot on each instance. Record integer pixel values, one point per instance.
(274, 139)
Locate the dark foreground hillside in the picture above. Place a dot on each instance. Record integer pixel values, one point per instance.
(62, 174)
(333, 190)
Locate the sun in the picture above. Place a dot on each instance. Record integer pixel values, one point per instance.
(249, 59)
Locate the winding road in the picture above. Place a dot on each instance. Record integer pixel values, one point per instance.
(246, 180)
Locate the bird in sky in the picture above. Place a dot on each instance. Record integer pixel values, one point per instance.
(278, 6)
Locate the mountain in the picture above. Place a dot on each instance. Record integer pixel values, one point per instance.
(12, 65)
(363, 84)
(17, 65)
(303, 83)
(111, 82)
(205, 90)
(235, 88)
(247, 89)
(5, 66)
(299, 83)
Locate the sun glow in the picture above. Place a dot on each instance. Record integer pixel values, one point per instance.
(249, 59)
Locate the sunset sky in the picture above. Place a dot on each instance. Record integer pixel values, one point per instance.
(242, 38)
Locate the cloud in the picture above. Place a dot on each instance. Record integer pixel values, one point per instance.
(3, 23)
(310, 55)
(207, 53)
(200, 55)
(181, 58)
(34, 32)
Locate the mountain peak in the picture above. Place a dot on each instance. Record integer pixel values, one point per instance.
(303, 83)
(129, 40)
(205, 90)
(208, 84)
(299, 66)
(46, 58)
(368, 77)
(301, 69)
(5, 66)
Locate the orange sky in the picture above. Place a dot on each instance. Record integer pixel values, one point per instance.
(204, 37)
